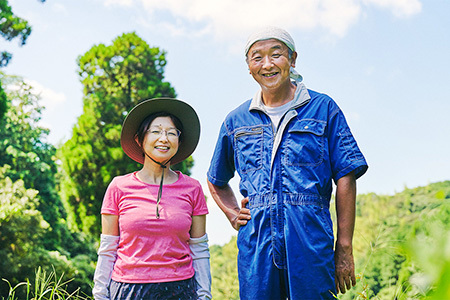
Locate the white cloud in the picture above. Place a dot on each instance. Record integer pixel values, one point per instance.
(235, 19)
(118, 2)
(49, 98)
(400, 8)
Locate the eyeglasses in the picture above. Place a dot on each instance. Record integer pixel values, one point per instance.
(157, 131)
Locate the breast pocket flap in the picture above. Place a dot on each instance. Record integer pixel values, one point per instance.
(309, 126)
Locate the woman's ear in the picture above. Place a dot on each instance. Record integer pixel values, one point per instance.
(137, 140)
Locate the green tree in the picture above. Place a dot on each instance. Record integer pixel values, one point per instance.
(393, 244)
(22, 241)
(115, 78)
(22, 230)
(23, 147)
(11, 27)
(225, 285)
(33, 231)
(3, 104)
(428, 247)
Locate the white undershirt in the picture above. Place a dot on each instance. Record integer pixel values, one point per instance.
(276, 113)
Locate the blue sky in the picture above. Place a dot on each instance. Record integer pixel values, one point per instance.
(385, 62)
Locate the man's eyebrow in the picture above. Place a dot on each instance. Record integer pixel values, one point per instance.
(255, 51)
(276, 47)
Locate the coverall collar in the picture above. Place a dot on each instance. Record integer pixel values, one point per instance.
(301, 97)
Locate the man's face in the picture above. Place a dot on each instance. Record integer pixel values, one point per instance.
(269, 63)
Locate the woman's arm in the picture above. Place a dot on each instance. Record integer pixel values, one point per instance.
(198, 244)
(110, 224)
(107, 253)
(198, 227)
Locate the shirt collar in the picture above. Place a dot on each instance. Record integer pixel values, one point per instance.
(301, 97)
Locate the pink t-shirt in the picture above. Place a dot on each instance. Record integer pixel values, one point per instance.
(151, 249)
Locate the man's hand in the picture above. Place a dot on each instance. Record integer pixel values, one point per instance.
(244, 215)
(345, 268)
(225, 199)
(345, 212)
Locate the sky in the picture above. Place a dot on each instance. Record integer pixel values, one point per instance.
(385, 62)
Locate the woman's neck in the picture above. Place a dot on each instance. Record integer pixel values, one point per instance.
(151, 173)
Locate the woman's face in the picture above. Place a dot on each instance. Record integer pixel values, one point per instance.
(161, 140)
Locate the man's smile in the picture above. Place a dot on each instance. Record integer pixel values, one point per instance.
(270, 74)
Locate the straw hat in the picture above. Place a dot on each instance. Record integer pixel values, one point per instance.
(183, 111)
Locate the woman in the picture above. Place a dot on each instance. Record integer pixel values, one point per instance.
(153, 220)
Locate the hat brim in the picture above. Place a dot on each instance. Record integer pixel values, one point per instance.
(180, 109)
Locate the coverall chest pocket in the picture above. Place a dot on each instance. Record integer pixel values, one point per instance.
(305, 142)
(249, 147)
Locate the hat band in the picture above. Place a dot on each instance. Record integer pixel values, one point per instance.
(163, 166)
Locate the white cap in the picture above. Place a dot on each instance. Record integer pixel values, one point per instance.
(268, 33)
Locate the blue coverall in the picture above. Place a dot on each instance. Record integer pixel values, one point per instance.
(286, 249)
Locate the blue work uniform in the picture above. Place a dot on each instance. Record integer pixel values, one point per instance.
(286, 249)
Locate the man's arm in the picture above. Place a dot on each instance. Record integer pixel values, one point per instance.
(226, 200)
(345, 211)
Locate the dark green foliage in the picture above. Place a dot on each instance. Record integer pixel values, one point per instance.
(12, 27)
(23, 233)
(33, 230)
(23, 146)
(3, 104)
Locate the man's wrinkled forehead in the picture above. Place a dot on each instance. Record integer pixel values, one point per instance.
(255, 48)
(270, 33)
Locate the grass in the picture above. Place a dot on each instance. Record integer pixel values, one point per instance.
(45, 287)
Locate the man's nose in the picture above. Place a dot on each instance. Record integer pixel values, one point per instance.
(267, 62)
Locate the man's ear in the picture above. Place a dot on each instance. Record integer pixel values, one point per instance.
(293, 59)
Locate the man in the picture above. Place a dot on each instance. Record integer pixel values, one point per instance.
(287, 144)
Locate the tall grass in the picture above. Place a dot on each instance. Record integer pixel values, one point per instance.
(45, 287)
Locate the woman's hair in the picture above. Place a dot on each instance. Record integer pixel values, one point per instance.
(145, 125)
